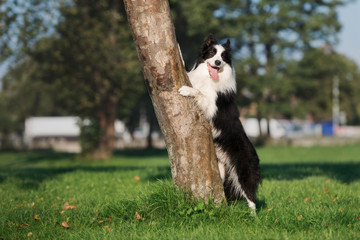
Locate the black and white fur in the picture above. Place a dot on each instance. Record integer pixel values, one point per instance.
(237, 159)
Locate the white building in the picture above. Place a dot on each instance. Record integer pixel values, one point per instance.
(60, 133)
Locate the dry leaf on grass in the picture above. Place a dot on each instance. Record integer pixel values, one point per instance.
(36, 218)
(68, 206)
(138, 217)
(23, 225)
(107, 227)
(137, 178)
(65, 225)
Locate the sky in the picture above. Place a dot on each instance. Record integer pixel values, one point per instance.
(349, 37)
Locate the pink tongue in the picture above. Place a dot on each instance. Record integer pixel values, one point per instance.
(213, 72)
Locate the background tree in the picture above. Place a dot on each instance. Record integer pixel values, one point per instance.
(268, 35)
(312, 80)
(93, 61)
(22, 96)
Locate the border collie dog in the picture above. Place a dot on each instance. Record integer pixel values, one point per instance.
(214, 90)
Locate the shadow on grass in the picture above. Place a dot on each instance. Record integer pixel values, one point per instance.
(136, 153)
(32, 176)
(344, 172)
(32, 168)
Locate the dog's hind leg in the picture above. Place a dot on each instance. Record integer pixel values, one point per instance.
(251, 205)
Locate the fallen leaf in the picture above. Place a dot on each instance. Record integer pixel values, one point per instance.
(62, 212)
(107, 227)
(328, 193)
(269, 210)
(101, 221)
(65, 225)
(276, 220)
(299, 217)
(68, 206)
(307, 199)
(110, 219)
(137, 178)
(58, 197)
(41, 199)
(23, 225)
(358, 217)
(138, 217)
(36, 218)
(29, 235)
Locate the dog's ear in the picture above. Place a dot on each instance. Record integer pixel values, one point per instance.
(227, 45)
(210, 40)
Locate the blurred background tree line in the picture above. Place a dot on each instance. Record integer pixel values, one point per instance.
(77, 57)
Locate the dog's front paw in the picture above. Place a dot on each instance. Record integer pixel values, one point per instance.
(188, 91)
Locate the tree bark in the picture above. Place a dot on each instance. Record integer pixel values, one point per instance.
(106, 116)
(187, 134)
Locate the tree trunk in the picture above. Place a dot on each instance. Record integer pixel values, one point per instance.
(106, 117)
(187, 134)
(151, 129)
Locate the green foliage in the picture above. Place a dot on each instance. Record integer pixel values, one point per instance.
(87, 64)
(307, 193)
(93, 59)
(89, 136)
(22, 23)
(312, 79)
(24, 96)
(268, 36)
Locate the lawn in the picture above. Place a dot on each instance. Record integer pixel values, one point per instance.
(307, 193)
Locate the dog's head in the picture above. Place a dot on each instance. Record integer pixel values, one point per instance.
(214, 55)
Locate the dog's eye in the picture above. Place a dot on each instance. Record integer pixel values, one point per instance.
(225, 56)
(212, 51)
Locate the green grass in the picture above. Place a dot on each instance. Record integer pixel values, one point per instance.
(307, 193)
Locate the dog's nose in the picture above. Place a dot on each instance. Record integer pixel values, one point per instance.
(217, 62)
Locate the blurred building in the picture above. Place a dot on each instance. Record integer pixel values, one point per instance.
(62, 134)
